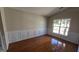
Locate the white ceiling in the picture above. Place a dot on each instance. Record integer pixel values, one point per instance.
(44, 11)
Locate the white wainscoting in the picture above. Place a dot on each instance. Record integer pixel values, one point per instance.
(0, 43)
(15, 36)
(72, 37)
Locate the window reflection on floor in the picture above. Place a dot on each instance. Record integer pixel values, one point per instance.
(57, 45)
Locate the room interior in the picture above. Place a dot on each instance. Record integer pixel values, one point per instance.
(39, 29)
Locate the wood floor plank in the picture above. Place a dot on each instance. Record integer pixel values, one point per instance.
(40, 44)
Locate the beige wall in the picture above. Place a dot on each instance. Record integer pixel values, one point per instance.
(1, 26)
(23, 25)
(73, 14)
(17, 20)
(1, 29)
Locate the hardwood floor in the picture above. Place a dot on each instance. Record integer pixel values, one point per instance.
(42, 44)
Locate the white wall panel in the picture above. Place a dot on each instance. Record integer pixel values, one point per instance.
(72, 37)
(15, 36)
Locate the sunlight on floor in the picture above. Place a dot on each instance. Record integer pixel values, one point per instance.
(57, 45)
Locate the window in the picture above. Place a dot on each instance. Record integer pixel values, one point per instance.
(61, 26)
